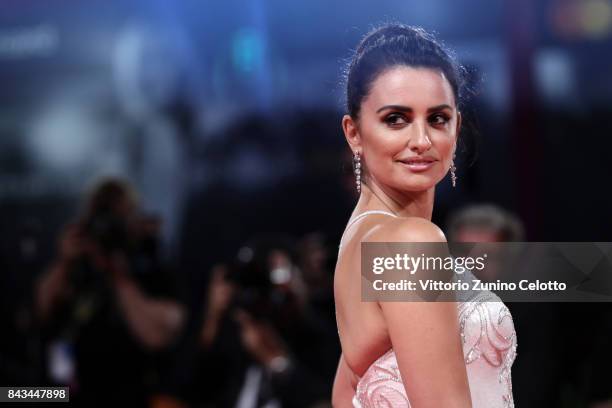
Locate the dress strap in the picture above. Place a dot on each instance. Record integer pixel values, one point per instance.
(363, 215)
(366, 213)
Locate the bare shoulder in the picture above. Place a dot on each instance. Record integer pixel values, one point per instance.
(405, 229)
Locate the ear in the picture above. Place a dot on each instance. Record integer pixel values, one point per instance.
(351, 132)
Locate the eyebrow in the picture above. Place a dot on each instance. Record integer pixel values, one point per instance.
(409, 109)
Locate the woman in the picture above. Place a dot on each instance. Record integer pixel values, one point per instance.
(403, 98)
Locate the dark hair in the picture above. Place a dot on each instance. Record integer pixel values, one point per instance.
(394, 45)
(105, 194)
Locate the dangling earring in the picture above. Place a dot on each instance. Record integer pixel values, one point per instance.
(453, 168)
(357, 170)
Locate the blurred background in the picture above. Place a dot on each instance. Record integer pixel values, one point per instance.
(174, 181)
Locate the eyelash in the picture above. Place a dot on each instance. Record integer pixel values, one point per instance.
(391, 119)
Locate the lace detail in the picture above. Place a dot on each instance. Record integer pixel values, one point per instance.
(495, 338)
(488, 336)
(381, 385)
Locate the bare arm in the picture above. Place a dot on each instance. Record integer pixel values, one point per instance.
(155, 322)
(425, 335)
(344, 386)
(50, 288)
(220, 294)
(53, 287)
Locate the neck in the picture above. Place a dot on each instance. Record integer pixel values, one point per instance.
(401, 203)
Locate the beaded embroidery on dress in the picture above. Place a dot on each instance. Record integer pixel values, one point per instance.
(489, 349)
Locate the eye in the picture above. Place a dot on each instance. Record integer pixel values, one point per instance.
(439, 119)
(395, 120)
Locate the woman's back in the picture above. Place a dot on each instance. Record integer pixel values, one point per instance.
(361, 326)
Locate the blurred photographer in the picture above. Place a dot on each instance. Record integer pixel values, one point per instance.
(260, 344)
(107, 303)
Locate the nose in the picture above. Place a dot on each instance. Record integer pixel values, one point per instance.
(419, 141)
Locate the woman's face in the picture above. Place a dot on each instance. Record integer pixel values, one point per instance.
(407, 128)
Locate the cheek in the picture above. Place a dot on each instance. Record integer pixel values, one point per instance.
(444, 144)
(382, 150)
(379, 143)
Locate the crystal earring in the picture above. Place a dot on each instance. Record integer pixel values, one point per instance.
(453, 169)
(357, 170)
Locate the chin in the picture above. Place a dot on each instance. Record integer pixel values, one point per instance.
(415, 187)
(416, 183)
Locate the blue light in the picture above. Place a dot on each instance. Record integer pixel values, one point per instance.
(248, 50)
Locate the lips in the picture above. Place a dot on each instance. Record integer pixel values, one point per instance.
(418, 164)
